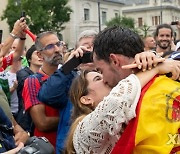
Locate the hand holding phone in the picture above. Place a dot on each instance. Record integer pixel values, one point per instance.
(74, 62)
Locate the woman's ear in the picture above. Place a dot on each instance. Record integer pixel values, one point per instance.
(39, 54)
(86, 100)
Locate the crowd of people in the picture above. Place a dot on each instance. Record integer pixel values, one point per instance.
(126, 100)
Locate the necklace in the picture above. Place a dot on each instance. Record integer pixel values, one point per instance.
(43, 71)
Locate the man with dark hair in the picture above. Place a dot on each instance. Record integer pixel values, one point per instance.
(45, 118)
(164, 38)
(55, 91)
(156, 115)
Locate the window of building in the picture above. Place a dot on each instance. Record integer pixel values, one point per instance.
(104, 17)
(140, 22)
(116, 14)
(86, 14)
(156, 20)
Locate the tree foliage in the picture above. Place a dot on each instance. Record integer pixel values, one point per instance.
(145, 28)
(41, 15)
(121, 21)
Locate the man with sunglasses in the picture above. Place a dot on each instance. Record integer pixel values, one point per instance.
(45, 118)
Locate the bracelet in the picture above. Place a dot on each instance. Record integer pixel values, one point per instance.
(22, 38)
(13, 36)
(154, 52)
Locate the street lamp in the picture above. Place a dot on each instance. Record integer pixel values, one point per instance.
(161, 13)
(99, 15)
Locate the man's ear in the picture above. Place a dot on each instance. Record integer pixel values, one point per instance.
(114, 58)
(86, 100)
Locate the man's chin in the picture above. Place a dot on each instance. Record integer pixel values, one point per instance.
(164, 47)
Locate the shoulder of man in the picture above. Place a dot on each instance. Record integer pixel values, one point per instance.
(40, 78)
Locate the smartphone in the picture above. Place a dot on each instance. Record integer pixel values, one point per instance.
(23, 14)
(74, 62)
(1, 33)
(174, 23)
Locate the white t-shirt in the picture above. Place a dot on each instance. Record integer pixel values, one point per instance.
(14, 98)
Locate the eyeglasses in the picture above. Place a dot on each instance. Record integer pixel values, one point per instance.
(52, 46)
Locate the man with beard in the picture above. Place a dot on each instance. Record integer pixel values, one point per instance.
(45, 118)
(55, 91)
(164, 38)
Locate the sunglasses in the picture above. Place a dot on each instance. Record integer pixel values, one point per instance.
(52, 46)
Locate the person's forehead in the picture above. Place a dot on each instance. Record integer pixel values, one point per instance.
(164, 31)
(100, 64)
(91, 75)
(86, 40)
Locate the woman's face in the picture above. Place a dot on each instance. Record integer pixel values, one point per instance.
(96, 87)
(35, 60)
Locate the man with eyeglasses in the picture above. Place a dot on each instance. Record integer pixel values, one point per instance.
(45, 118)
(55, 91)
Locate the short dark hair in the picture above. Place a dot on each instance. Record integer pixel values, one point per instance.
(117, 40)
(38, 44)
(29, 53)
(163, 26)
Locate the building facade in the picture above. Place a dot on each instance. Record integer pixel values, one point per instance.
(89, 14)
(152, 13)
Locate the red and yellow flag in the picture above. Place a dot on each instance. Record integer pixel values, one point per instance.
(155, 128)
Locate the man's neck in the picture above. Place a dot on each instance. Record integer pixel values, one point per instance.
(160, 50)
(48, 69)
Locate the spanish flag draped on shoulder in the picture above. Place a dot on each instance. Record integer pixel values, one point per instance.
(156, 128)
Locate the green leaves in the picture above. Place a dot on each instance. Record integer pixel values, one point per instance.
(121, 21)
(41, 15)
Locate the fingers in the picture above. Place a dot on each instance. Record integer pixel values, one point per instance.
(78, 52)
(129, 66)
(15, 150)
(144, 60)
(147, 60)
(176, 70)
(137, 60)
(157, 59)
(171, 68)
(19, 26)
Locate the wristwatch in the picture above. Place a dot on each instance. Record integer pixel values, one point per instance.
(13, 35)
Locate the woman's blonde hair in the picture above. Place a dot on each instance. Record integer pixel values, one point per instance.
(78, 89)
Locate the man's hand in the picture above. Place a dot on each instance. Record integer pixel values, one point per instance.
(170, 66)
(78, 52)
(19, 27)
(21, 136)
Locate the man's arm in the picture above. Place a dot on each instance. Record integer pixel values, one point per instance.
(54, 91)
(41, 121)
(17, 32)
